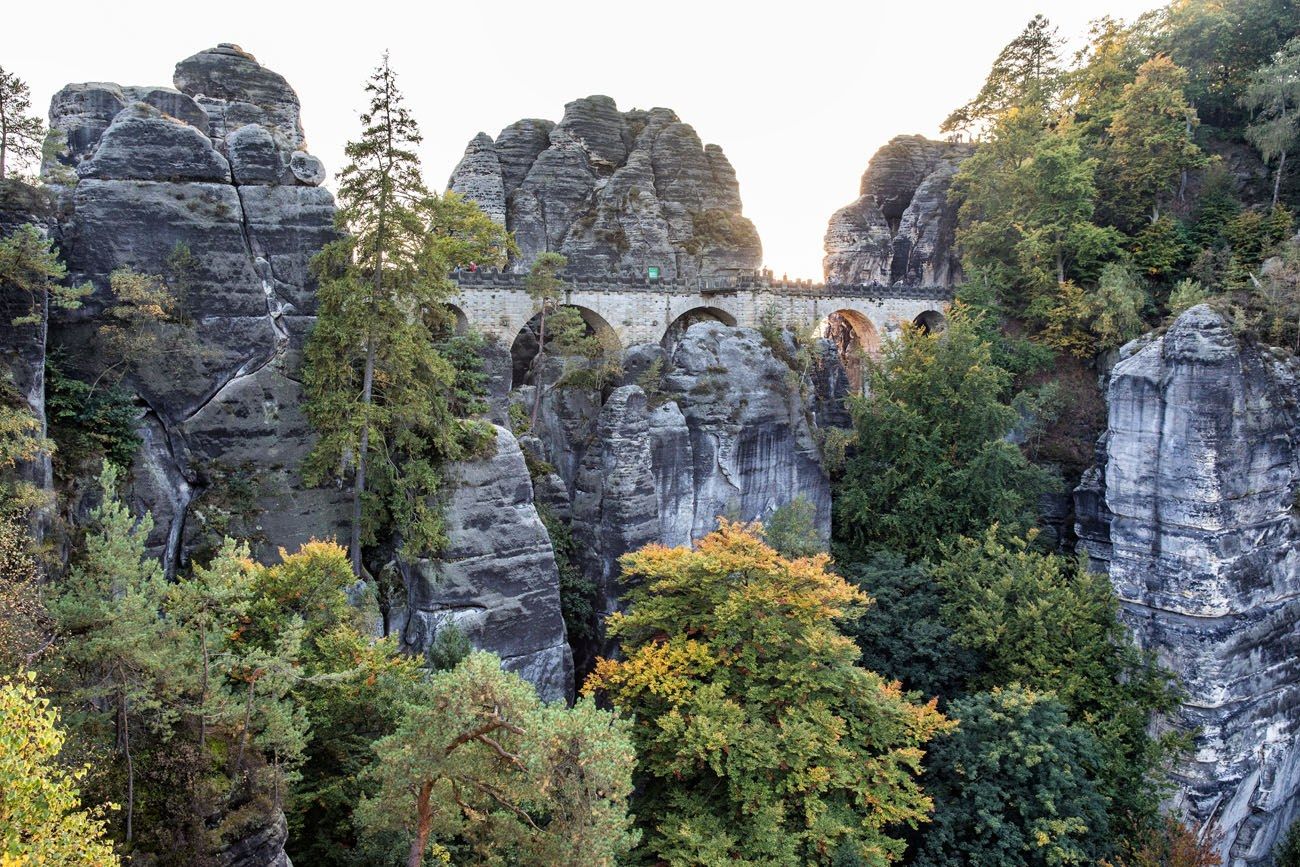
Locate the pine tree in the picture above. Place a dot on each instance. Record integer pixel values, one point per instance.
(478, 762)
(1026, 72)
(20, 132)
(1274, 95)
(113, 659)
(377, 388)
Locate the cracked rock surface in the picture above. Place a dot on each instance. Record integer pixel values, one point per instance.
(614, 191)
(901, 228)
(208, 166)
(497, 580)
(1191, 513)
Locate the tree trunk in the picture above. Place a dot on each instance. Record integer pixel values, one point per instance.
(540, 361)
(424, 821)
(359, 486)
(130, 765)
(1277, 181)
(248, 721)
(1060, 267)
(203, 694)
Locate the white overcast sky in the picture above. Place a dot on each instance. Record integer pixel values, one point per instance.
(798, 94)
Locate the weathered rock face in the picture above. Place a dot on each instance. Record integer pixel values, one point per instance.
(262, 848)
(901, 228)
(613, 191)
(206, 168)
(726, 432)
(1193, 517)
(497, 580)
(22, 343)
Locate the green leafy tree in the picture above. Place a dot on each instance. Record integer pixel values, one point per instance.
(113, 662)
(377, 388)
(24, 623)
(1012, 786)
(759, 739)
(904, 635)
(792, 529)
(1186, 294)
(1026, 72)
(479, 765)
(1028, 196)
(1118, 306)
(21, 133)
(41, 817)
(1222, 45)
(1150, 146)
(1273, 94)
(1047, 623)
(933, 461)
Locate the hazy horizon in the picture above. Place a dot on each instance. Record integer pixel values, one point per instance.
(799, 100)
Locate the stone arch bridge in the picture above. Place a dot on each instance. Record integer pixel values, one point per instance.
(626, 311)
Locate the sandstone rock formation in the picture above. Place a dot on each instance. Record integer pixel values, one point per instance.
(724, 431)
(1192, 514)
(901, 228)
(615, 191)
(497, 580)
(24, 325)
(207, 168)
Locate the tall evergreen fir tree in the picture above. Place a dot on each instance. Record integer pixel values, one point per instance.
(377, 387)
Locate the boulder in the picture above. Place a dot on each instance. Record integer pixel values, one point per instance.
(234, 89)
(254, 157)
(143, 144)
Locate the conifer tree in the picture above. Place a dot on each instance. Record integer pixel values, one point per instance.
(20, 132)
(113, 660)
(376, 385)
(1274, 95)
(1026, 72)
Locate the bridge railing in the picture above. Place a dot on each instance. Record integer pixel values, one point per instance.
(717, 284)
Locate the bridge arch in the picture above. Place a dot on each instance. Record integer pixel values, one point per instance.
(930, 321)
(525, 346)
(856, 338)
(694, 315)
(446, 319)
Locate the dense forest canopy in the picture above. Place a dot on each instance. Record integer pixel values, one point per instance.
(947, 684)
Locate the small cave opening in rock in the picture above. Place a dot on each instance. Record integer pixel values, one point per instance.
(855, 339)
(694, 316)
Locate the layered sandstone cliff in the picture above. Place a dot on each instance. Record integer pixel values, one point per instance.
(901, 229)
(1192, 514)
(614, 191)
